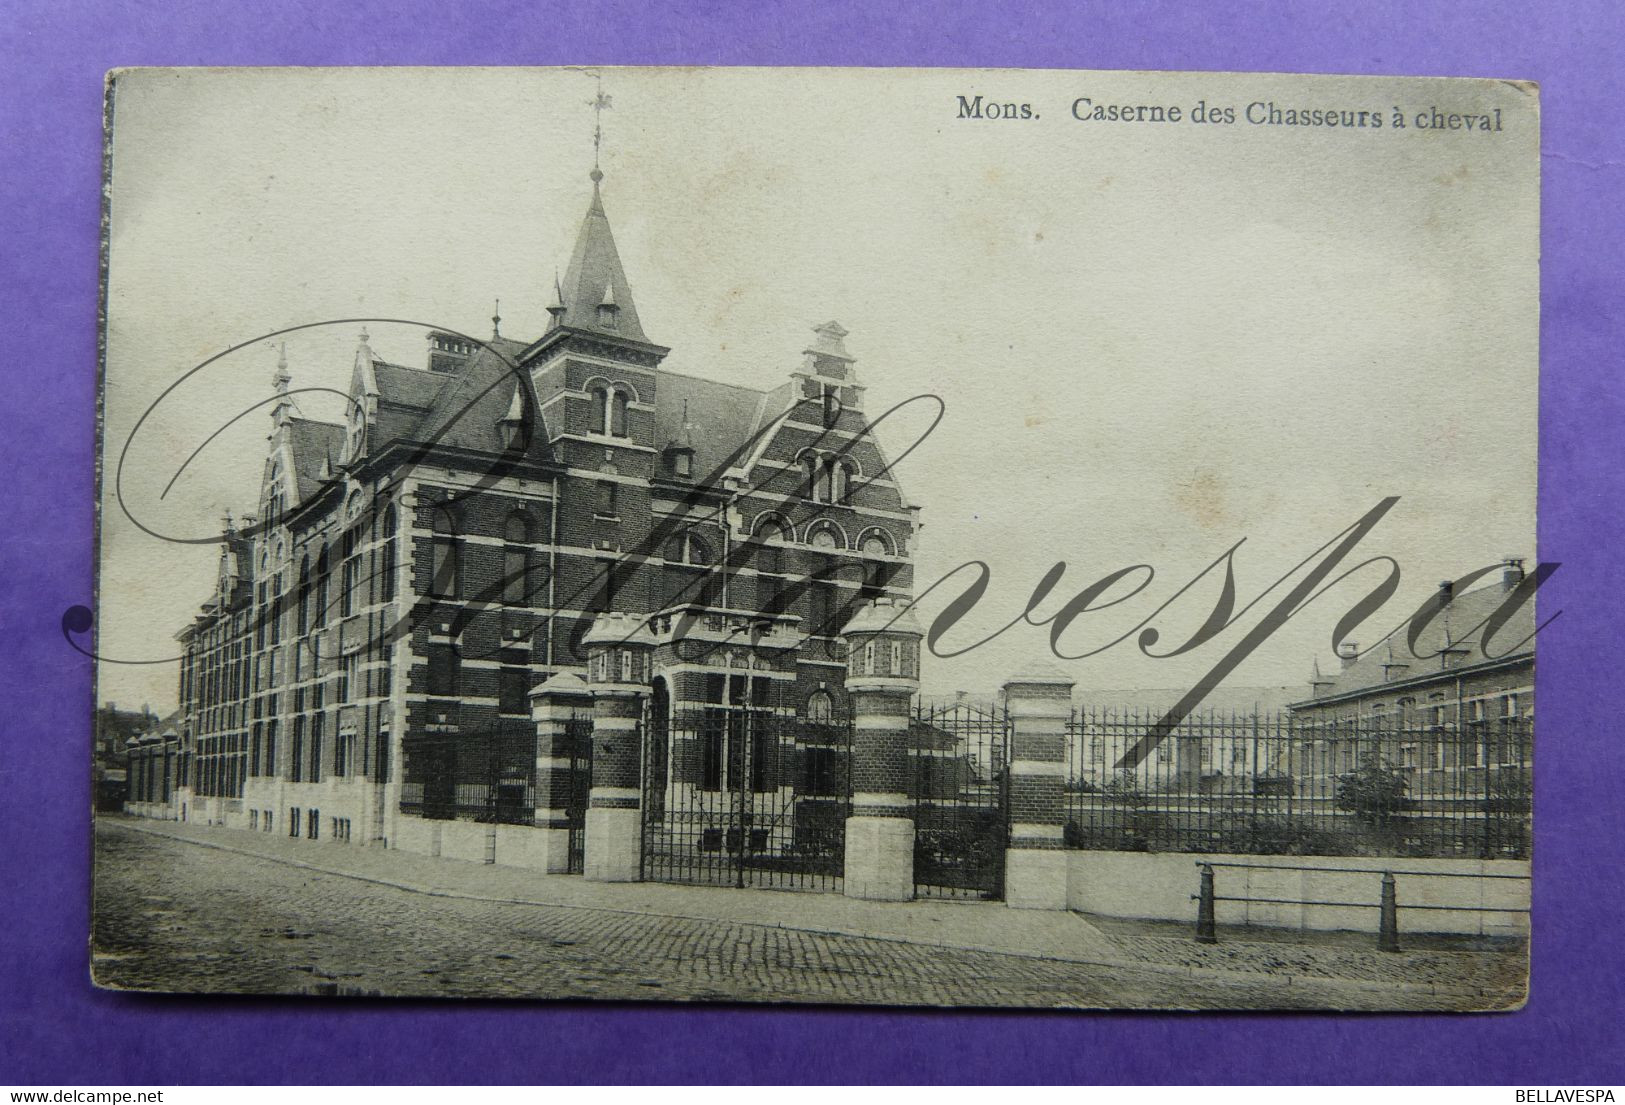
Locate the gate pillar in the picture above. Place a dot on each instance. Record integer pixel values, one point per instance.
(1035, 869)
(553, 706)
(619, 647)
(883, 668)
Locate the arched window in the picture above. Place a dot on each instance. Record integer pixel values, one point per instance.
(688, 573)
(826, 480)
(386, 557)
(809, 473)
(820, 707)
(447, 577)
(846, 475)
(516, 560)
(770, 539)
(877, 573)
(617, 413)
(825, 536)
(600, 410)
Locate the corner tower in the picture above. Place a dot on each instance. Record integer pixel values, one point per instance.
(596, 377)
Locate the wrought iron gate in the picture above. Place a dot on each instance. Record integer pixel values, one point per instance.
(578, 749)
(961, 786)
(741, 795)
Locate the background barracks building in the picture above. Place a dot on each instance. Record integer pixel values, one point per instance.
(417, 571)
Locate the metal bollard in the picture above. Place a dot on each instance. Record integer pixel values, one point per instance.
(1206, 930)
(1388, 932)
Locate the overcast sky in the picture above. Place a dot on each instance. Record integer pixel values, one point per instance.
(1152, 340)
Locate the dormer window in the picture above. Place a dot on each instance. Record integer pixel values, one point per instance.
(682, 462)
(608, 310)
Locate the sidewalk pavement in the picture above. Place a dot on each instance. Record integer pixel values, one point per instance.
(971, 925)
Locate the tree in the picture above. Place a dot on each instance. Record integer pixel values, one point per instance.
(1373, 792)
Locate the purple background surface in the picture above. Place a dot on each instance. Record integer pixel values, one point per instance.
(55, 1029)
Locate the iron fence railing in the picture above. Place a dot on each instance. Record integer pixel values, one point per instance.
(1281, 784)
(488, 775)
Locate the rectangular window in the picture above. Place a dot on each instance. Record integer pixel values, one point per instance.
(513, 686)
(350, 677)
(317, 725)
(607, 498)
(444, 668)
(296, 765)
(712, 730)
(313, 823)
(386, 570)
(821, 614)
(823, 771)
(762, 749)
(270, 747)
(293, 821)
(446, 581)
(347, 578)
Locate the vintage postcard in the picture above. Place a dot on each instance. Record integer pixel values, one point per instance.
(973, 538)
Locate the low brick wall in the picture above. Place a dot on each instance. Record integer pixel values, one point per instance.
(1160, 886)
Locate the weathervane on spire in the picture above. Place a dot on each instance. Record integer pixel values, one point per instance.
(599, 104)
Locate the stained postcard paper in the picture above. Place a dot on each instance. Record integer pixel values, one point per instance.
(1056, 539)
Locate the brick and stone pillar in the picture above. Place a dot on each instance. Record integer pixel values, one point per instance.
(1035, 872)
(883, 674)
(619, 649)
(555, 707)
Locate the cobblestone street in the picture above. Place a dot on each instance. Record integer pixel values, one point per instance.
(173, 915)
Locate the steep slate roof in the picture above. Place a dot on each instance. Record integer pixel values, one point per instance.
(723, 417)
(595, 267)
(468, 404)
(475, 398)
(1461, 618)
(312, 442)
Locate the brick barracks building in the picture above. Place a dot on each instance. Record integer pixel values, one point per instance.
(520, 534)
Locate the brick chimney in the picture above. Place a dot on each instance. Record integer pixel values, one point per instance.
(448, 352)
(1511, 572)
(1348, 652)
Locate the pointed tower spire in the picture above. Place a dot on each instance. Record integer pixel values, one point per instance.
(284, 408)
(595, 294)
(556, 308)
(496, 320)
(1318, 683)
